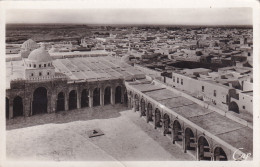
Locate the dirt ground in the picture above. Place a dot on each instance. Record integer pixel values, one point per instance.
(63, 137)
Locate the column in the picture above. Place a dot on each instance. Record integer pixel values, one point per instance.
(49, 99)
(147, 115)
(53, 103)
(66, 102)
(112, 96)
(11, 111)
(102, 97)
(78, 100)
(90, 98)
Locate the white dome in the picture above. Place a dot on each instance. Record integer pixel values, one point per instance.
(125, 59)
(29, 45)
(39, 55)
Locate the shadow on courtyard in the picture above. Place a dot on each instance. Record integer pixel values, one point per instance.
(163, 141)
(83, 114)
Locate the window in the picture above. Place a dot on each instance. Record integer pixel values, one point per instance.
(34, 65)
(48, 64)
(182, 81)
(215, 93)
(40, 73)
(202, 88)
(244, 107)
(48, 73)
(173, 78)
(177, 80)
(44, 65)
(30, 65)
(40, 65)
(249, 54)
(31, 74)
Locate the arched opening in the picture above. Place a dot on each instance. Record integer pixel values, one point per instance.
(136, 103)
(125, 98)
(72, 100)
(219, 154)
(107, 96)
(84, 98)
(177, 132)
(233, 107)
(118, 95)
(157, 118)
(150, 112)
(96, 97)
(61, 102)
(204, 150)
(39, 101)
(166, 124)
(18, 106)
(189, 140)
(143, 107)
(7, 108)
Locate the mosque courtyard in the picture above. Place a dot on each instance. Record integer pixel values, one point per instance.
(63, 136)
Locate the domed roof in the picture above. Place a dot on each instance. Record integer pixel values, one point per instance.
(53, 49)
(39, 55)
(125, 59)
(29, 44)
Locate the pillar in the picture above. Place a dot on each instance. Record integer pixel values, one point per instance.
(53, 103)
(90, 98)
(11, 111)
(66, 107)
(102, 97)
(49, 104)
(78, 100)
(112, 96)
(147, 116)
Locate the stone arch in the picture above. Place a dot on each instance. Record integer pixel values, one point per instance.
(166, 124)
(17, 106)
(189, 140)
(219, 154)
(84, 98)
(157, 118)
(7, 108)
(143, 107)
(136, 102)
(72, 99)
(149, 112)
(107, 95)
(203, 149)
(40, 101)
(118, 94)
(61, 102)
(96, 97)
(176, 131)
(233, 107)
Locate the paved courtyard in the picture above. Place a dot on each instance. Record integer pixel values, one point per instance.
(64, 137)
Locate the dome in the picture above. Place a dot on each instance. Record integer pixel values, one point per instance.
(125, 59)
(53, 49)
(39, 55)
(29, 45)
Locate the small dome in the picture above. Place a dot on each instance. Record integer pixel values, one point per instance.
(125, 59)
(39, 55)
(53, 49)
(29, 45)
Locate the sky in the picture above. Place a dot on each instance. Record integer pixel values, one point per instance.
(173, 16)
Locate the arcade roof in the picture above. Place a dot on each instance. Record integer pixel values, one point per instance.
(233, 133)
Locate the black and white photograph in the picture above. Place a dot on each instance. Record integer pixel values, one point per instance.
(129, 84)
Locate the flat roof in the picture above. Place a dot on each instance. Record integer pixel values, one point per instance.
(233, 133)
(81, 68)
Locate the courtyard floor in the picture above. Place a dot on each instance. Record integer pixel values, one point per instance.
(63, 137)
